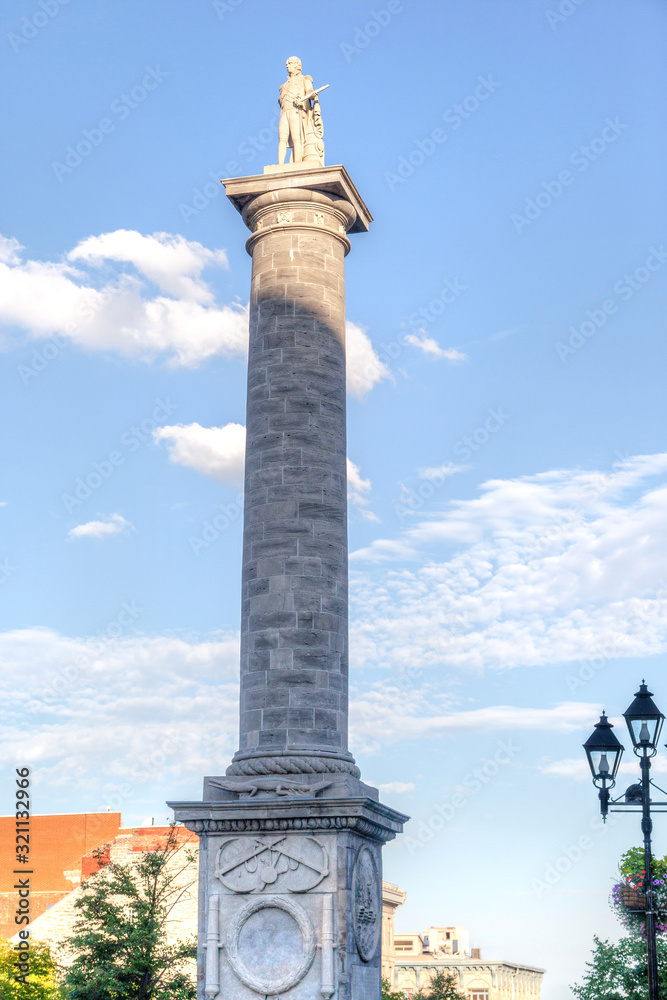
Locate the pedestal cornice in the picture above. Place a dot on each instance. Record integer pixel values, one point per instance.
(362, 815)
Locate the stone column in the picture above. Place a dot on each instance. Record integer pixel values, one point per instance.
(294, 658)
(290, 837)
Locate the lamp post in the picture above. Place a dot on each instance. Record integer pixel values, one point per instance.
(604, 752)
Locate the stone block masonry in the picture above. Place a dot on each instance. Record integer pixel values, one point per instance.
(290, 861)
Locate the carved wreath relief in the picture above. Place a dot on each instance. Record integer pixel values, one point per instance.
(271, 945)
(278, 863)
(366, 904)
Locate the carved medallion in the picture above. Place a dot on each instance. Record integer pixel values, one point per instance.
(271, 945)
(366, 904)
(280, 863)
(283, 217)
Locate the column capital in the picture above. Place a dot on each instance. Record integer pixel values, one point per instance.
(333, 180)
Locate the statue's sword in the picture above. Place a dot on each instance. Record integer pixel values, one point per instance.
(309, 97)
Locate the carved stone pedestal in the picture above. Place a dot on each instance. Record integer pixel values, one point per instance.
(290, 894)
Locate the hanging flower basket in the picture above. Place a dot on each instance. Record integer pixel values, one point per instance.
(631, 899)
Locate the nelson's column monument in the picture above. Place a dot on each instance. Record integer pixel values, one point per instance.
(290, 900)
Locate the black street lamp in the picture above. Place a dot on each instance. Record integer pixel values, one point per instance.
(603, 750)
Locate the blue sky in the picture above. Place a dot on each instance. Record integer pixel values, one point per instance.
(506, 417)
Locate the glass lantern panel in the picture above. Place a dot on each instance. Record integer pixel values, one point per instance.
(646, 732)
(603, 763)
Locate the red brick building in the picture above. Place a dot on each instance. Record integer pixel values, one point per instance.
(60, 858)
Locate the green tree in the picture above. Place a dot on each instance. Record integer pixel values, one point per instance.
(443, 986)
(41, 980)
(119, 945)
(617, 971)
(389, 994)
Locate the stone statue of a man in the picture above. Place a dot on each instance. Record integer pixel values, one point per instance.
(300, 124)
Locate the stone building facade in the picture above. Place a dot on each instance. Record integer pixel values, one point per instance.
(410, 960)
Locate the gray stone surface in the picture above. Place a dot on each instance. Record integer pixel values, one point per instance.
(294, 631)
(290, 839)
(310, 857)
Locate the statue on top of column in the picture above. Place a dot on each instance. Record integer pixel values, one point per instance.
(300, 126)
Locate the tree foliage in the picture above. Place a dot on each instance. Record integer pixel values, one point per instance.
(617, 971)
(443, 986)
(41, 981)
(119, 945)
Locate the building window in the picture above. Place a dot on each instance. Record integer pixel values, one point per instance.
(478, 995)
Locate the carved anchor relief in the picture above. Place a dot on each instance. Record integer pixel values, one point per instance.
(286, 864)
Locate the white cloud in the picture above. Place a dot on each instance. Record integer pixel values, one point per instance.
(396, 787)
(364, 367)
(358, 490)
(432, 348)
(97, 296)
(128, 709)
(548, 568)
(172, 263)
(218, 452)
(109, 309)
(441, 472)
(386, 714)
(113, 525)
(10, 250)
(109, 713)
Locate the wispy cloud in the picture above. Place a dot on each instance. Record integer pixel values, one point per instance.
(541, 569)
(112, 525)
(358, 491)
(432, 348)
(100, 709)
